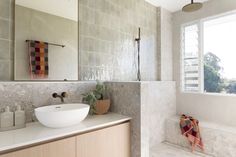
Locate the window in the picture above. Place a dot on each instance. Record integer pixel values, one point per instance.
(191, 58)
(209, 55)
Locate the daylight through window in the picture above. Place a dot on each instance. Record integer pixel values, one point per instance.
(209, 55)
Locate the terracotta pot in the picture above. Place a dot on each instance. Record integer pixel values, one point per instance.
(102, 106)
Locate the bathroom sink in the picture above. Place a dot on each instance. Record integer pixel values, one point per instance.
(64, 115)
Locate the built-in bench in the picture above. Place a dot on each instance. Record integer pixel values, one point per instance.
(219, 140)
(170, 150)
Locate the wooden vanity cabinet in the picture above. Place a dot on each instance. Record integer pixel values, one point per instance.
(113, 141)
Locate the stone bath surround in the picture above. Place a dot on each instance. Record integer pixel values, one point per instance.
(219, 140)
(168, 150)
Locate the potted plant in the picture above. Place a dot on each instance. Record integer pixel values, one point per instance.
(95, 98)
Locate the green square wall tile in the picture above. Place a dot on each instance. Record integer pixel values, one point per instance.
(4, 29)
(4, 49)
(5, 9)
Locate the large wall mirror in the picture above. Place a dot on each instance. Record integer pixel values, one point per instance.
(46, 40)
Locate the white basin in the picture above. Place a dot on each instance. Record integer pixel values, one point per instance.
(64, 115)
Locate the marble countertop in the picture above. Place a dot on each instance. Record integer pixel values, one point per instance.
(36, 133)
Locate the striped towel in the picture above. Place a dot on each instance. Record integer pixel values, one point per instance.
(38, 54)
(190, 129)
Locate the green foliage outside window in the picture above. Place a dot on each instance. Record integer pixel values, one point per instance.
(212, 73)
(213, 79)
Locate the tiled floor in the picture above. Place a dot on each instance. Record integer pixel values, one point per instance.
(167, 150)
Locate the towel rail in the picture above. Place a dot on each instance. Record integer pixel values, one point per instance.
(51, 44)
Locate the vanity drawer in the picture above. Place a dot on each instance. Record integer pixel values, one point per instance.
(61, 148)
(109, 142)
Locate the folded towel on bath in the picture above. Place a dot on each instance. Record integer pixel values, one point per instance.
(190, 129)
(38, 54)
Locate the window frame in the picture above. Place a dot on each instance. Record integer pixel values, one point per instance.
(200, 24)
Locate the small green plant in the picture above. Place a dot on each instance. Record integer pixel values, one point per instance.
(92, 96)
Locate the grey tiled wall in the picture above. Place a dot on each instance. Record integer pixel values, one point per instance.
(166, 58)
(6, 39)
(106, 39)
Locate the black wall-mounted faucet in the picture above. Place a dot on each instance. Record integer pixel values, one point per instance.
(62, 96)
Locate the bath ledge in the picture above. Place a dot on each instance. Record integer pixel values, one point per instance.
(210, 125)
(35, 133)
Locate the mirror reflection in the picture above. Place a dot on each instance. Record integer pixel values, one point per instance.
(46, 40)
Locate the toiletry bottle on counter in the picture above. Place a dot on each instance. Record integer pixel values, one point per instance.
(7, 118)
(19, 117)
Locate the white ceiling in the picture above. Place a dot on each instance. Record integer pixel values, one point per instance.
(172, 5)
(63, 8)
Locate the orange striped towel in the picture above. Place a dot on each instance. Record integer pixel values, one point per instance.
(38, 54)
(190, 129)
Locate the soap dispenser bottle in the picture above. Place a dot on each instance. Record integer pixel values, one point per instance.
(19, 117)
(7, 119)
